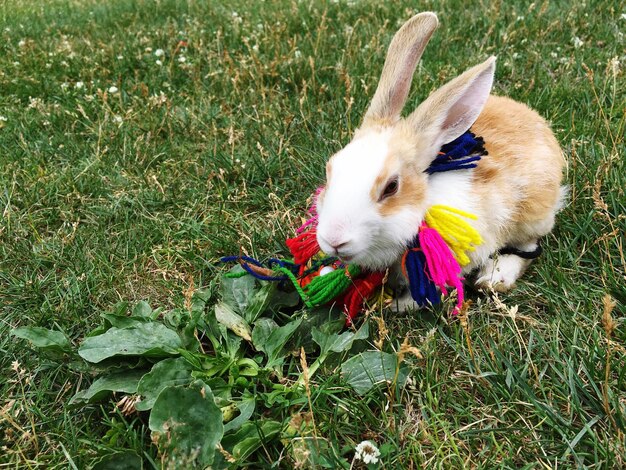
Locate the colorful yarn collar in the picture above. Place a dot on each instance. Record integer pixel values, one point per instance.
(432, 262)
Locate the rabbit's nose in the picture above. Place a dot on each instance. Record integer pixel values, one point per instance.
(339, 245)
(335, 243)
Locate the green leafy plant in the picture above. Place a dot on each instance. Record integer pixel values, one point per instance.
(217, 381)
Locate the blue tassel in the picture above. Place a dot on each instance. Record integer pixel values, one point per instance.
(460, 154)
(423, 290)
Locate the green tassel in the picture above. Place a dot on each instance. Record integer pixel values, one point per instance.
(236, 275)
(323, 289)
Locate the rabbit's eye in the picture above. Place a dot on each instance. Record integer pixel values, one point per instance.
(390, 189)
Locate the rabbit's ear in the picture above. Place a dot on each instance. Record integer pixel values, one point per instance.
(452, 109)
(404, 53)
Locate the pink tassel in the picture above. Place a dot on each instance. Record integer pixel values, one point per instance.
(442, 265)
(312, 212)
(311, 221)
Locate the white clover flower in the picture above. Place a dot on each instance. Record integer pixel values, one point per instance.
(22, 43)
(117, 119)
(120, 57)
(367, 452)
(158, 62)
(3, 118)
(182, 59)
(64, 86)
(623, 16)
(297, 54)
(255, 48)
(113, 90)
(159, 52)
(79, 85)
(577, 42)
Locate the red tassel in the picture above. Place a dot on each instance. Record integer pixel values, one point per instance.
(359, 293)
(304, 246)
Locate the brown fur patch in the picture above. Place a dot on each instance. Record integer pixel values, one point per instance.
(525, 162)
(411, 190)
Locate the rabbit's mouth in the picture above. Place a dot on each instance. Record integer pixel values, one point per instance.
(346, 258)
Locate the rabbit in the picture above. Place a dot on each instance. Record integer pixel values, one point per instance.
(377, 192)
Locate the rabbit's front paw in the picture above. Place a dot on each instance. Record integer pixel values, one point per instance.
(403, 302)
(500, 274)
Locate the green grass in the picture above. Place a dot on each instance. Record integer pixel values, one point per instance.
(135, 195)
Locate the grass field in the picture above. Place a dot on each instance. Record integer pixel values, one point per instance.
(142, 140)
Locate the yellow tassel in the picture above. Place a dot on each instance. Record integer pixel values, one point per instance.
(460, 236)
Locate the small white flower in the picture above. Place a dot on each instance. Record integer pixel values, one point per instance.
(120, 57)
(158, 62)
(22, 43)
(64, 86)
(553, 54)
(367, 452)
(255, 48)
(182, 59)
(79, 85)
(623, 16)
(515, 55)
(113, 90)
(159, 52)
(3, 118)
(297, 54)
(117, 119)
(236, 17)
(577, 42)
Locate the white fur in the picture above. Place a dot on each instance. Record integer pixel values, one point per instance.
(500, 272)
(348, 216)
